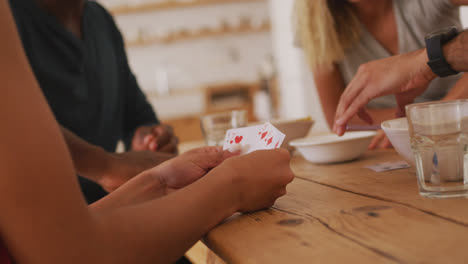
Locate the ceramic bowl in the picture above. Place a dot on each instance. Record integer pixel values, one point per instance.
(293, 129)
(398, 134)
(330, 148)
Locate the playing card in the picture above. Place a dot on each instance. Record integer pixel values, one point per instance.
(240, 139)
(268, 137)
(388, 166)
(249, 139)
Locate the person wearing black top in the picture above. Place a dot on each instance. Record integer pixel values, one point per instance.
(78, 57)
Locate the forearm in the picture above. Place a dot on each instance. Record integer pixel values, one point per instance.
(110, 170)
(156, 231)
(330, 86)
(456, 52)
(142, 188)
(329, 112)
(163, 229)
(90, 161)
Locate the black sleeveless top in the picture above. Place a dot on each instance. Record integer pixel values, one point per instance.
(87, 82)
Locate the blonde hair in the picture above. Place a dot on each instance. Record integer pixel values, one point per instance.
(325, 29)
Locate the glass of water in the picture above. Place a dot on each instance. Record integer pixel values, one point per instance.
(214, 126)
(439, 139)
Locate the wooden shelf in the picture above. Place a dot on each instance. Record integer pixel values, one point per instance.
(231, 96)
(152, 7)
(204, 33)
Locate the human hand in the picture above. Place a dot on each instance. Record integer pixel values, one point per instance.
(258, 178)
(406, 76)
(168, 177)
(187, 168)
(121, 167)
(380, 141)
(158, 138)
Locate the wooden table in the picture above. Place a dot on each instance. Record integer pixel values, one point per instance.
(345, 213)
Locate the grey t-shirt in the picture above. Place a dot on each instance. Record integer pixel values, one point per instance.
(415, 19)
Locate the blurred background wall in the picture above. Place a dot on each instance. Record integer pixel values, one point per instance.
(193, 57)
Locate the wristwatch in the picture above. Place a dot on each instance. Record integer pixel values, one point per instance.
(434, 43)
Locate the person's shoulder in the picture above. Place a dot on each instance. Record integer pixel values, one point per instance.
(428, 7)
(97, 11)
(424, 16)
(102, 17)
(96, 7)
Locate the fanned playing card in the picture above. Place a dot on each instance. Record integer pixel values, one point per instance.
(249, 139)
(268, 137)
(240, 139)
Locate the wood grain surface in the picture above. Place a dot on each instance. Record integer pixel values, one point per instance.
(345, 213)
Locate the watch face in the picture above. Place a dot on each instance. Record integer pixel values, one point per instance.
(442, 31)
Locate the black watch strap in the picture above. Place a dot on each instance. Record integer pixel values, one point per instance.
(437, 61)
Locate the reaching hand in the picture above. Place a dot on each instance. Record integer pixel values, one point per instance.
(158, 138)
(407, 76)
(380, 141)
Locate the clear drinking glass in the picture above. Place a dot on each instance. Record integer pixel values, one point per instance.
(214, 126)
(439, 139)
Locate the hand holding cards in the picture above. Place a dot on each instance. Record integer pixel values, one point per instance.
(249, 139)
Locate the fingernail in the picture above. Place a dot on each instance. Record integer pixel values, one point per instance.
(340, 130)
(339, 122)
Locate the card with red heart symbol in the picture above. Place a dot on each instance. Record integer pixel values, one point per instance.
(240, 139)
(268, 137)
(249, 139)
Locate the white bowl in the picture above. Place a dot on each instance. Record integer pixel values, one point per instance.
(293, 129)
(398, 134)
(330, 148)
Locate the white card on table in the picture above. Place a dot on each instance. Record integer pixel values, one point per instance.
(388, 166)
